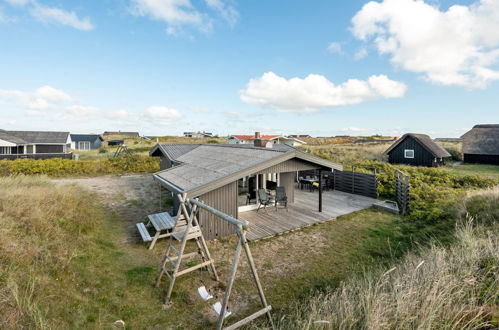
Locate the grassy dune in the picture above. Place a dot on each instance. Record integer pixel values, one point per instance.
(434, 287)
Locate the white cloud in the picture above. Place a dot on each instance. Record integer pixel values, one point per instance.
(176, 13)
(360, 54)
(161, 115)
(46, 14)
(78, 112)
(315, 92)
(42, 98)
(458, 46)
(60, 16)
(335, 48)
(353, 129)
(229, 13)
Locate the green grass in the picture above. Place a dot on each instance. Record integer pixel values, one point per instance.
(489, 171)
(68, 262)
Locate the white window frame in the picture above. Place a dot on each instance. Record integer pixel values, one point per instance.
(82, 145)
(6, 151)
(408, 150)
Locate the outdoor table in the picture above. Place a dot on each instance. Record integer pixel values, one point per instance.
(308, 182)
(161, 222)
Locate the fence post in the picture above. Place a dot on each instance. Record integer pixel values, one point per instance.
(353, 179)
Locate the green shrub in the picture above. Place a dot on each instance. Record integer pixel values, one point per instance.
(433, 191)
(102, 150)
(213, 141)
(455, 153)
(64, 167)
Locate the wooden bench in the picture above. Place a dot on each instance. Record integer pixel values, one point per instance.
(162, 223)
(144, 233)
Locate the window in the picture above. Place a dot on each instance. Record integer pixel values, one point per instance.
(4, 150)
(409, 153)
(84, 145)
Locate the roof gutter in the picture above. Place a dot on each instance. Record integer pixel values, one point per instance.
(170, 186)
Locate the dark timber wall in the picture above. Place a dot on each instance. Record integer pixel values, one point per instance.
(49, 148)
(422, 157)
(481, 159)
(223, 199)
(37, 156)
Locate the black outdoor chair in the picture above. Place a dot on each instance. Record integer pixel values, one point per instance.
(264, 198)
(280, 197)
(250, 196)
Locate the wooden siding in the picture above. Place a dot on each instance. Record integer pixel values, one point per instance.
(223, 199)
(287, 180)
(481, 159)
(422, 157)
(290, 165)
(164, 163)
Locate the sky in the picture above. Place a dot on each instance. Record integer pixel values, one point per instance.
(324, 68)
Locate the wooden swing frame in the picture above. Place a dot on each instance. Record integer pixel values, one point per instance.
(188, 210)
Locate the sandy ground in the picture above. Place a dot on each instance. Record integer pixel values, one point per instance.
(131, 197)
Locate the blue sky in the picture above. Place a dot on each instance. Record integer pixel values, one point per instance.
(292, 67)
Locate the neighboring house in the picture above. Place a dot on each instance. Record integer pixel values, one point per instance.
(250, 139)
(300, 136)
(227, 176)
(417, 150)
(198, 134)
(127, 134)
(481, 144)
(34, 144)
(86, 141)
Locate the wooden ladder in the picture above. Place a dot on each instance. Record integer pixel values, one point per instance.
(187, 228)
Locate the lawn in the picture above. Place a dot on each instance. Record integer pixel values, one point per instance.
(489, 171)
(69, 262)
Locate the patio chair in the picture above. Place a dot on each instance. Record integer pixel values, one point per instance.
(281, 198)
(264, 198)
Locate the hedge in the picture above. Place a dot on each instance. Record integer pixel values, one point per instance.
(58, 167)
(433, 192)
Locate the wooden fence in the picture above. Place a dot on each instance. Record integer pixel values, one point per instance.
(355, 183)
(402, 191)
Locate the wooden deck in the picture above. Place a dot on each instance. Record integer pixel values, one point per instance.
(303, 212)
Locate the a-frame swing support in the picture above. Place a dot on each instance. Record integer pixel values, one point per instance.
(190, 230)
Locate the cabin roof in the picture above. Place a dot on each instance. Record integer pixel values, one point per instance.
(24, 137)
(207, 167)
(85, 137)
(482, 140)
(425, 141)
(252, 137)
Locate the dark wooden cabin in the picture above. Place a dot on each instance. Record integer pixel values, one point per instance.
(417, 150)
(481, 144)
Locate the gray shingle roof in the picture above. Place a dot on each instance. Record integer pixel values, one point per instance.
(10, 138)
(206, 164)
(426, 142)
(40, 136)
(482, 140)
(85, 137)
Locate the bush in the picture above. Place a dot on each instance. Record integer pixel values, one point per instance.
(433, 191)
(64, 167)
(455, 153)
(102, 150)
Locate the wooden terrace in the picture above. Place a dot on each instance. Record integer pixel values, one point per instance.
(303, 212)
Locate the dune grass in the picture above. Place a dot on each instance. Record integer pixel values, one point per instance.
(435, 287)
(68, 262)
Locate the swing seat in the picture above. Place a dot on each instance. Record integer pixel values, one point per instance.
(218, 309)
(204, 293)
